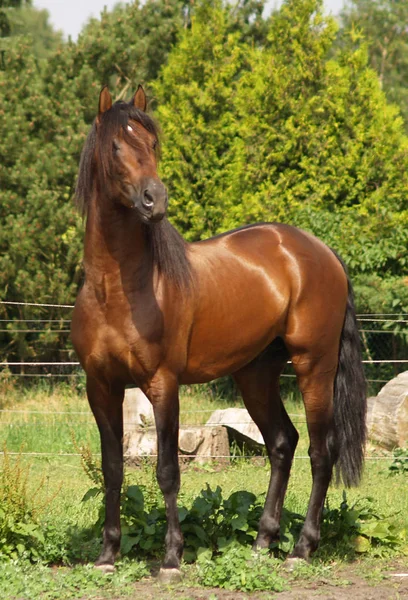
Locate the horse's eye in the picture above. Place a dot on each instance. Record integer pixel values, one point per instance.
(129, 128)
(155, 144)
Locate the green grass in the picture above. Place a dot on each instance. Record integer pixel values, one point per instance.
(25, 581)
(64, 484)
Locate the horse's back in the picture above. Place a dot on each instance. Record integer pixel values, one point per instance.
(289, 261)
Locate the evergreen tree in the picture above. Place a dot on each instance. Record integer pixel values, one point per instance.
(384, 24)
(129, 45)
(40, 141)
(31, 22)
(195, 94)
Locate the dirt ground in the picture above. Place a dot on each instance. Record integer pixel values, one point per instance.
(350, 582)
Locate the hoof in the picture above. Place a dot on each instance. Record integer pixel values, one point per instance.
(292, 563)
(169, 576)
(106, 569)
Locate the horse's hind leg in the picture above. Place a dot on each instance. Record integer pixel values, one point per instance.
(106, 405)
(316, 382)
(259, 386)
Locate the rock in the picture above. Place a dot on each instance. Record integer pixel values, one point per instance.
(387, 414)
(201, 443)
(137, 409)
(169, 576)
(239, 424)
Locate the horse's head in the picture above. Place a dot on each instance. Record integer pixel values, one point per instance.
(122, 150)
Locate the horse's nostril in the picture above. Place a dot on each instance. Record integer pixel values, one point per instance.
(147, 199)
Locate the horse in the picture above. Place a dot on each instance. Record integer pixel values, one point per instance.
(157, 312)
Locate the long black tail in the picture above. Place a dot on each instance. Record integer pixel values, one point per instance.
(350, 399)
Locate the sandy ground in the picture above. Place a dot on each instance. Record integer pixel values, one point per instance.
(349, 582)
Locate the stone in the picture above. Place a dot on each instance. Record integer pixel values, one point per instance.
(387, 414)
(137, 409)
(169, 576)
(240, 426)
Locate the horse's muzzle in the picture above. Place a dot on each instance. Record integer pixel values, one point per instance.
(152, 202)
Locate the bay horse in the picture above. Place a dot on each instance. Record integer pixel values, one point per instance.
(157, 312)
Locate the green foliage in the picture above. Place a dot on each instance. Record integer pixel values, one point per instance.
(383, 25)
(239, 568)
(399, 465)
(214, 527)
(20, 529)
(211, 522)
(360, 528)
(31, 22)
(129, 44)
(40, 239)
(7, 9)
(22, 580)
(195, 94)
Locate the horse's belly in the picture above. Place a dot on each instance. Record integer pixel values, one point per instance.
(223, 348)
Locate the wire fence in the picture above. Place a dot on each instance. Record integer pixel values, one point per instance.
(49, 355)
(35, 343)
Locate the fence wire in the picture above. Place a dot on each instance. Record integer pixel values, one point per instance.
(42, 331)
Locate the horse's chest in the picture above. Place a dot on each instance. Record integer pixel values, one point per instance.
(122, 344)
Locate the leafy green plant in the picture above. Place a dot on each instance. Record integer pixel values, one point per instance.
(399, 465)
(211, 522)
(214, 524)
(239, 568)
(361, 528)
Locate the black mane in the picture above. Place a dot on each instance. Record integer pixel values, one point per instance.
(168, 250)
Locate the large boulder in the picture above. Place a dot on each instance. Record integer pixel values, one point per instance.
(240, 426)
(387, 414)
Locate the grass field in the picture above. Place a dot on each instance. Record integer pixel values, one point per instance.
(48, 425)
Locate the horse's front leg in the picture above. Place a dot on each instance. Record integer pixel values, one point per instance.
(106, 405)
(163, 393)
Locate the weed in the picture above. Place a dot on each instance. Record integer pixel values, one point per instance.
(239, 568)
(27, 582)
(92, 467)
(360, 528)
(7, 385)
(20, 509)
(399, 465)
(317, 571)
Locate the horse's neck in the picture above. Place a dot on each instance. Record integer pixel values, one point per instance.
(114, 241)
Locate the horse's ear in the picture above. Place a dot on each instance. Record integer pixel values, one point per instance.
(139, 99)
(105, 100)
